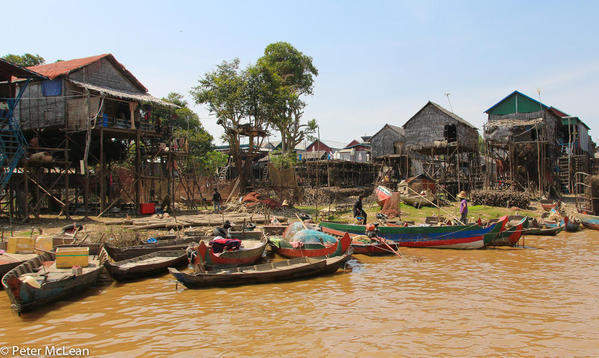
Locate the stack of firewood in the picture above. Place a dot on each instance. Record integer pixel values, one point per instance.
(504, 199)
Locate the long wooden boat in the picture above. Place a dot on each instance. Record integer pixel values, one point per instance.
(286, 249)
(511, 235)
(250, 252)
(294, 269)
(10, 261)
(544, 229)
(589, 221)
(547, 205)
(38, 282)
(417, 200)
(361, 244)
(448, 237)
(146, 265)
(125, 253)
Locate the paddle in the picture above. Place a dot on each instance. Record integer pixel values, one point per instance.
(302, 221)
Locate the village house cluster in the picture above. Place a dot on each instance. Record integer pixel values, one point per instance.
(63, 125)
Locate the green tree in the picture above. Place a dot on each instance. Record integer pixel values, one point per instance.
(293, 72)
(25, 60)
(225, 92)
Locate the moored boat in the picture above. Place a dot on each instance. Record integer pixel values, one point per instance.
(447, 236)
(38, 281)
(146, 265)
(511, 235)
(589, 221)
(362, 244)
(289, 249)
(572, 224)
(547, 204)
(251, 250)
(544, 228)
(293, 269)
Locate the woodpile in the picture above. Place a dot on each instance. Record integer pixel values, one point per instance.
(504, 199)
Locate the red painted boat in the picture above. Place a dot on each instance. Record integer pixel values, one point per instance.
(248, 254)
(548, 204)
(288, 250)
(361, 244)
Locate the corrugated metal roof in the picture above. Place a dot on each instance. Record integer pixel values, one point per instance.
(146, 97)
(63, 68)
(516, 92)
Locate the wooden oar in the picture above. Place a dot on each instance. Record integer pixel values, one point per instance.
(302, 221)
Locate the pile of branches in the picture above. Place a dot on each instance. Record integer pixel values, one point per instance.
(326, 195)
(504, 199)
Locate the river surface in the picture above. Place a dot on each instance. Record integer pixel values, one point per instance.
(542, 300)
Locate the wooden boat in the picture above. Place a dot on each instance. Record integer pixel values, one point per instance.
(286, 249)
(38, 282)
(419, 200)
(589, 221)
(447, 237)
(10, 261)
(250, 252)
(382, 194)
(511, 235)
(547, 205)
(125, 253)
(361, 244)
(146, 265)
(297, 268)
(544, 229)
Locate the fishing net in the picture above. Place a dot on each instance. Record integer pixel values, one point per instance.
(312, 237)
(391, 207)
(292, 229)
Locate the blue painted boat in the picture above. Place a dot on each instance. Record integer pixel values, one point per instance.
(38, 282)
(589, 221)
(447, 237)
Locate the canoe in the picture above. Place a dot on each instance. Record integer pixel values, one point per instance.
(286, 249)
(361, 244)
(125, 253)
(418, 201)
(589, 221)
(544, 229)
(511, 235)
(44, 283)
(10, 261)
(146, 265)
(297, 268)
(250, 252)
(446, 237)
(547, 205)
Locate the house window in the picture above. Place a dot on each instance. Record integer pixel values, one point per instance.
(450, 133)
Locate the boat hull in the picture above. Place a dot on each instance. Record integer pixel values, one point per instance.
(510, 236)
(25, 297)
(443, 237)
(120, 272)
(589, 221)
(294, 269)
(339, 248)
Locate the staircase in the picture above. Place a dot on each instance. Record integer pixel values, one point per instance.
(12, 141)
(564, 173)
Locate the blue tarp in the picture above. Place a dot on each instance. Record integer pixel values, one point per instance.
(52, 87)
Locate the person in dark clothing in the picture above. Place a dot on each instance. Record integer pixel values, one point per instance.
(223, 231)
(358, 210)
(216, 199)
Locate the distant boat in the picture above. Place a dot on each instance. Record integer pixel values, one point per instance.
(288, 249)
(363, 245)
(419, 200)
(382, 194)
(547, 205)
(293, 269)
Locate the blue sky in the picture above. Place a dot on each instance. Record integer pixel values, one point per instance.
(379, 61)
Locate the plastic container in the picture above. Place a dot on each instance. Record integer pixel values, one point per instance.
(67, 257)
(147, 208)
(20, 245)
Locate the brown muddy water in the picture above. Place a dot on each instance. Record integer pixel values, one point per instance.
(542, 300)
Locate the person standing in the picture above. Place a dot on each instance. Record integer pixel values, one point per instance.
(463, 207)
(359, 210)
(216, 200)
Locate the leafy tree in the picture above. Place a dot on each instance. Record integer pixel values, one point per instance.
(236, 102)
(25, 60)
(294, 73)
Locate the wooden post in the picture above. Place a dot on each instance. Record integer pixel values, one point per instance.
(102, 172)
(66, 179)
(539, 160)
(137, 172)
